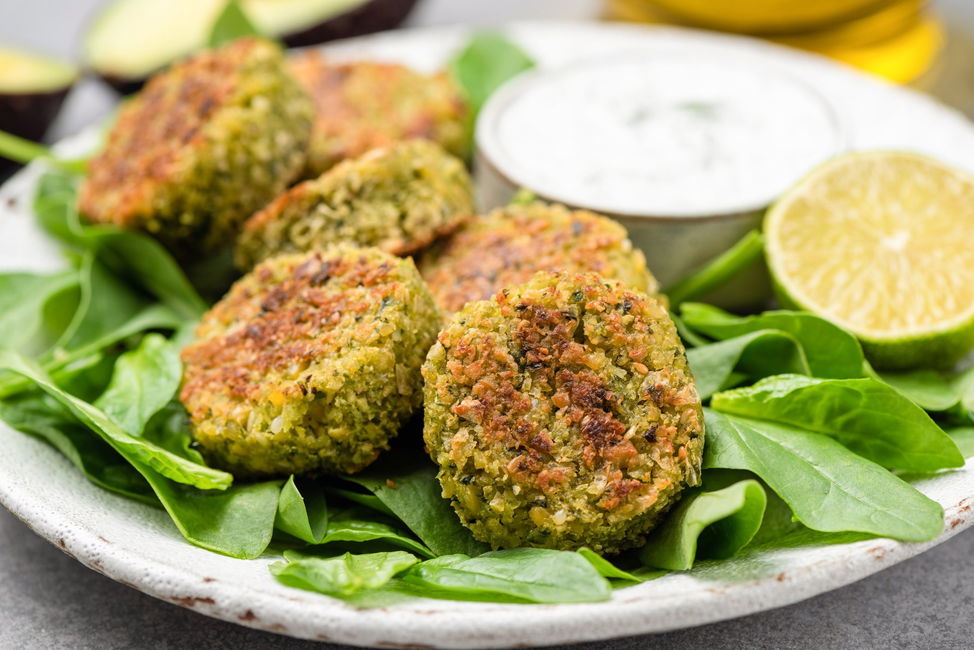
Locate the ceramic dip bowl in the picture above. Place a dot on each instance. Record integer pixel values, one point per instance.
(686, 152)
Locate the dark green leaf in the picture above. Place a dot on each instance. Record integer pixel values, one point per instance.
(137, 451)
(963, 383)
(169, 429)
(35, 309)
(341, 576)
(304, 517)
(152, 317)
(87, 377)
(779, 529)
(831, 352)
(608, 570)
(964, 438)
(758, 354)
(128, 254)
(929, 389)
(231, 24)
(142, 259)
(828, 487)
(24, 151)
(405, 481)
(865, 415)
(106, 304)
(55, 204)
(144, 381)
(485, 64)
(521, 575)
(524, 196)
(368, 500)
(40, 415)
(718, 271)
(238, 521)
(108, 311)
(359, 525)
(690, 338)
(707, 524)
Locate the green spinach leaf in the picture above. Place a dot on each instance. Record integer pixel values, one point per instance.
(169, 429)
(963, 383)
(758, 354)
(231, 24)
(341, 576)
(368, 500)
(39, 415)
(24, 151)
(609, 570)
(105, 304)
(144, 381)
(139, 452)
(128, 254)
(516, 575)
(690, 338)
(405, 481)
(867, 416)
(304, 517)
(55, 205)
(237, 521)
(152, 317)
(707, 524)
(828, 487)
(719, 270)
(927, 388)
(485, 64)
(964, 438)
(86, 378)
(831, 352)
(358, 526)
(35, 309)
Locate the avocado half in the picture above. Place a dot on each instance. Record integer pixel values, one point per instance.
(32, 90)
(132, 39)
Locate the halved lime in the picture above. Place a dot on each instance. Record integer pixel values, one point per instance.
(882, 244)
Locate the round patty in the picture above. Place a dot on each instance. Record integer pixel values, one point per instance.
(398, 199)
(310, 363)
(509, 245)
(201, 147)
(363, 105)
(562, 414)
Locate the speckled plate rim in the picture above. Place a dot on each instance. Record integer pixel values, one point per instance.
(136, 545)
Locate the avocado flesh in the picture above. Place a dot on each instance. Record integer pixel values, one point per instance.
(32, 90)
(132, 39)
(28, 73)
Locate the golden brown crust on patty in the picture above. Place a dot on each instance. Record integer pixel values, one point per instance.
(509, 245)
(203, 145)
(398, 199)
(562, 413)
(310, 363)
(363, 105)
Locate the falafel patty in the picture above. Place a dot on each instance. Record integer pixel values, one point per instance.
(310, 363)
(562, 413)
(201, 147)
(363, 105)
(510, 244)
(398, 199)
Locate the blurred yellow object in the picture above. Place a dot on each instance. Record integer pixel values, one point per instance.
(897, 39)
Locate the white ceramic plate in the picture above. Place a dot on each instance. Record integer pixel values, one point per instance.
(138, 545)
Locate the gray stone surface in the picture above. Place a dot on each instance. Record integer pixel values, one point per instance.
(48, 600)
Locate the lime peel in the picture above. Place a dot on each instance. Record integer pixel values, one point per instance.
(878, 242)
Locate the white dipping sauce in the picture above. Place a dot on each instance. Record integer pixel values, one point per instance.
(658, 136)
